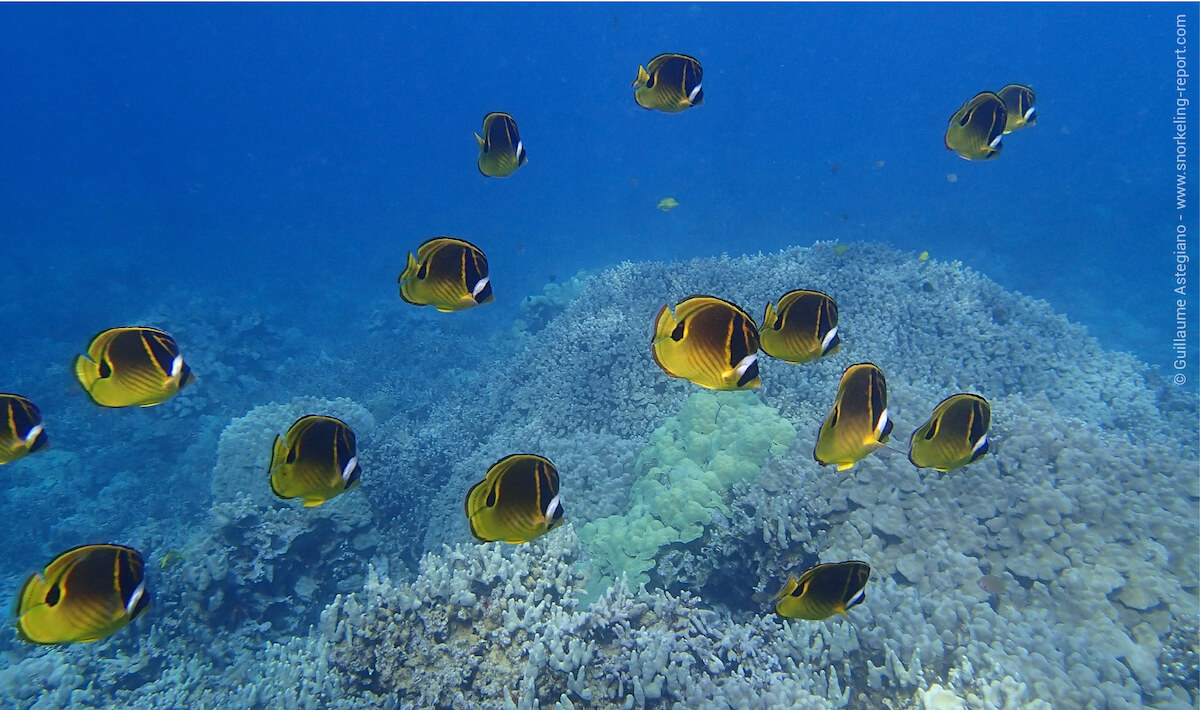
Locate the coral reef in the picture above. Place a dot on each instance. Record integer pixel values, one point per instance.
(1082, 518)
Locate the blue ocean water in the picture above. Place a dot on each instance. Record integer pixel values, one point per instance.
(256, 174)
(190, 146)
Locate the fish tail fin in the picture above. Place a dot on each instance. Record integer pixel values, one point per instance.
(410, 268)
(86, 371)
(278, 453)
(664, 324)
(769, 316)
(788, 587)
(642, 77)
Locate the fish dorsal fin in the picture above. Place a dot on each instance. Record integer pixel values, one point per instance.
(480, 139)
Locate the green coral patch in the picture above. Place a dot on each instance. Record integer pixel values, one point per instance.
(717, 439)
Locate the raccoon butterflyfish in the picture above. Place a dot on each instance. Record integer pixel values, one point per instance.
(823, 591)
(84, 594)
(516, 501)
(667, 204)
(708, 341)
(669, 83)
(318, 460)
(126, 367)
(975, 130)
(804, 329)
(954, 436)
(448, 274)
(21, 431)
(1018, 105)
(501, 151)
(858, 423)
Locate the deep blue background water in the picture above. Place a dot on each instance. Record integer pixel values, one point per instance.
(296, 152)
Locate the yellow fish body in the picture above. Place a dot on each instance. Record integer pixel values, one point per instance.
(127, 367)
(667, 204)
(448, 274)
(21, 430)
(318, 460)
(708, 341)
(858, 423)
(517, 500)
(1018, 107)
(85, 594)
(670, 83)
(804, 329)
(955, 435)
(823, 591)
(974, 131)
(501, 150)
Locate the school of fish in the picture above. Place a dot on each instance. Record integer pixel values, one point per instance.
(91, 591)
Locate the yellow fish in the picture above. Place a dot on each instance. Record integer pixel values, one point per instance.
(823, 591)
(501, 150)
(804, 329)
(858, 423)
(954, 436)
(448, 274)
(974, 131)
(84, 594)
(670, 83)
(708, 341)
(1018, 107)
(21, 431)
(126, 367)
(667, 204)
(317, 461)
(517, 501)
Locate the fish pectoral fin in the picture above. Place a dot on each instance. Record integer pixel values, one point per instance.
(313, 502)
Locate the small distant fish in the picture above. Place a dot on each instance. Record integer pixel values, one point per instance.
(318, 460)
(708, 341)
(170, 559)
(448, 274)
(804, 329)
(1018, 106)
(669, 83)
(84, 594)
(127, 367)
(975, 130)
(823, 591)
(923, 256)
(840, 249)
(858, 423)
(517, 500)
(955, 434)
(501, 151)
(667, 204)
(991, 584)
(21, 430)
(951, 177)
